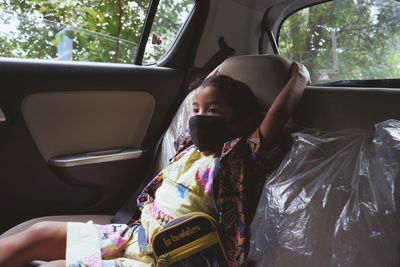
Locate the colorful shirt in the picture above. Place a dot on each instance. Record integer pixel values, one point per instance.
(184, 186)
(234, 187)
(223, 186)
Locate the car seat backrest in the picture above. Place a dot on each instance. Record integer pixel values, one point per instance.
(265, 74)
(333, 108)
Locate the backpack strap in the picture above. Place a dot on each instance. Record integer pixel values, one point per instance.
(129, 211)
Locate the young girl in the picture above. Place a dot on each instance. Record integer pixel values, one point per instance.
(226, 133)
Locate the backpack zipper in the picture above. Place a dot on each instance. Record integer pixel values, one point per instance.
(187, 250)
(216, 168)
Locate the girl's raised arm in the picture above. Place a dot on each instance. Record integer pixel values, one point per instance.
(284, 105)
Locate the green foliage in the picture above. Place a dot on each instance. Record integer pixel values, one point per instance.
(171, 14)
(367, 34)
(101, 30)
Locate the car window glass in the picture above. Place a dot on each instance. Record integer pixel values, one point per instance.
(170, 17)
(87, 30)
(345, 39)
(79, 30)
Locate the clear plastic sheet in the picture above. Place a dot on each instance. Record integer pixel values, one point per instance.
(178, 125)
(332, 202)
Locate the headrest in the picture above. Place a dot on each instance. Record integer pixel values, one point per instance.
(265, 74)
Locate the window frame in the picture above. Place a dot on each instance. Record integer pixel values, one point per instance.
(184, 48)
(283, 20)
(375, 83)
(144, 35)
(178, 40)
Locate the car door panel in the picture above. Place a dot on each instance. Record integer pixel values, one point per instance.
(61, 111)
(63, 123)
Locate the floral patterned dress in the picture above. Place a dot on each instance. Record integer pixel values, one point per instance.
(186, 187)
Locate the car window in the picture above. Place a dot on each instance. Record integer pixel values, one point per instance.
(345, 40)
(84, 30)
(169, 19)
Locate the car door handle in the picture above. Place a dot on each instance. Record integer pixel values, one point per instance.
(2, 116)
(96, 157)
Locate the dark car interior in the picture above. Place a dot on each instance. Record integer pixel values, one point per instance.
(79, 139)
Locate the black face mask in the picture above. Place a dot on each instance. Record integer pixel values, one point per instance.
(208, 132)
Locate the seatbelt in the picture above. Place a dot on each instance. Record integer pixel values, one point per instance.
(223, 53)
(265, 27)
(196, 75)
(129, 210)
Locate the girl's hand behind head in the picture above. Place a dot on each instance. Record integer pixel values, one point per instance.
(300, 71)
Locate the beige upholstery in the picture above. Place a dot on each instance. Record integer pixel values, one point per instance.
(333, 108)
(265, 74)
(63, 123)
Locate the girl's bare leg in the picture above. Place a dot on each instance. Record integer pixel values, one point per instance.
(42, 241)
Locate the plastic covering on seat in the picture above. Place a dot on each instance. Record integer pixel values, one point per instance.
(178, 125)
(332, 202)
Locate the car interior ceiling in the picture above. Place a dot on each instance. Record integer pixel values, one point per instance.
(243, 34)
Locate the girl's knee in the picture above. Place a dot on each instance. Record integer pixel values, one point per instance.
(47, 230)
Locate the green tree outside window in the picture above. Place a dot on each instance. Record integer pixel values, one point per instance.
(345, 39)
(101, 31)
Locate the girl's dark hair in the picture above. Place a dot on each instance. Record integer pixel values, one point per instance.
(240, 97)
